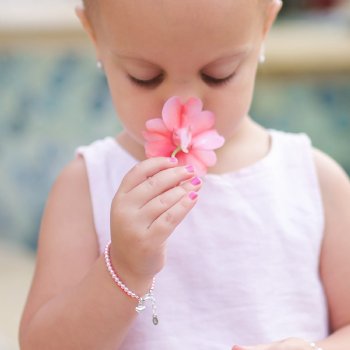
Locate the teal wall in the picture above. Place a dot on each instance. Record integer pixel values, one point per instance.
(50, 104)
(317, 105)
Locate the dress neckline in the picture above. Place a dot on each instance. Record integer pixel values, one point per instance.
(245, 171)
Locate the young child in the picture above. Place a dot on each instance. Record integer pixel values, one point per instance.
(254, 255)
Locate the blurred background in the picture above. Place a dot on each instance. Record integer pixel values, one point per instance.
(53, 99)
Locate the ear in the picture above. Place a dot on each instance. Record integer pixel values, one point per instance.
(273, 8)
(87, 24)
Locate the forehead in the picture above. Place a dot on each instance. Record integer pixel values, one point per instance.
(177, 27)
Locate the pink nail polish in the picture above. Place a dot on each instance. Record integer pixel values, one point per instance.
(173, 160)
(189, 168)
(196, 181)
(193, 195)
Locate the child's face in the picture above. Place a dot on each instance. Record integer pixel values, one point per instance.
(207, 49)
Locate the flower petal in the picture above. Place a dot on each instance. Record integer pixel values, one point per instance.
(181, 158)
(171, 113)
(193, 107)
(199, 167)
(208, 158)
(154, 136)
(157, 125)
(208, 140)
(159, 148)
(201, 122)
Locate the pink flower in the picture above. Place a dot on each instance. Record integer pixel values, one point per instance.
(184, 131)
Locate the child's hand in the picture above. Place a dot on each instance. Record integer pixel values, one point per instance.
(286, 344)
(153, 198)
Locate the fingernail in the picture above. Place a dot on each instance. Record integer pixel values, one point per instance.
(196, 181)
(173, 160)
(193, 195)
(189, 168)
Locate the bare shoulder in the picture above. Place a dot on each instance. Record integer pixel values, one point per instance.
(67, 241)
(335, 254)
(68, 215)
(330, 174)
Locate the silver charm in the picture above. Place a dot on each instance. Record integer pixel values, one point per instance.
(155, 320)
(141, 306)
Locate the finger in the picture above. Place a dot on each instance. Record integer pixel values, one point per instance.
(145, 169)
(164, 225)
(193, 184)
(159, 183)
(160, 204)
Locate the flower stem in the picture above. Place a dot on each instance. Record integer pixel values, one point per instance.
(177, 150)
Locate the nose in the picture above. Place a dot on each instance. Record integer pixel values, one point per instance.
(184, 89)
(185, 98)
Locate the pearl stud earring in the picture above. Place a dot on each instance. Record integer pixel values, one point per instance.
(262, 57)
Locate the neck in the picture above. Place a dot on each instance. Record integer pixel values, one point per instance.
(250, 143)
(135, 149)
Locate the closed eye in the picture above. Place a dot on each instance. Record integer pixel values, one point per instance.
(215, 81)
(159, 78)
(147, 83)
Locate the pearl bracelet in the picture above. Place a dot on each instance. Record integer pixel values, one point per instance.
(141, 300)
(314, 346)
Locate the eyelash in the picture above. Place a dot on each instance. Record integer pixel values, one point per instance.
(218, 82)
(147, 83)
(158, 79)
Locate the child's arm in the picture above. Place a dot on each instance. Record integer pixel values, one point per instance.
(334, 261)
(335, 255)
(73, 302)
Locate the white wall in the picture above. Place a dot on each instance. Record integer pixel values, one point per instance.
(37, 14)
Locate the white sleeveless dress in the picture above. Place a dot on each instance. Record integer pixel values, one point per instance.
(243, 267)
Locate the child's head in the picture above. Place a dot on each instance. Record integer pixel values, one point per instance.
(154, 49)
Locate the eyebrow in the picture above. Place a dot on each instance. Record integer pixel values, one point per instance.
(242, 52)
(229, 57)
(134, 58)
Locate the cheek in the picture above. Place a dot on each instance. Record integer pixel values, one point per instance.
(243, 88)
(233, 103)
(133, 106)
